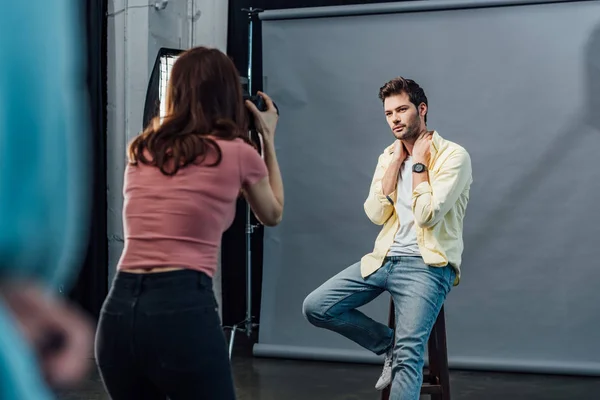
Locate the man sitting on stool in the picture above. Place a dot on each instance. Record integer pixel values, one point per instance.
(419, 194)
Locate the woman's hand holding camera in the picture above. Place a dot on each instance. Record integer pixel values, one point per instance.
(265, 121)
(266, 197)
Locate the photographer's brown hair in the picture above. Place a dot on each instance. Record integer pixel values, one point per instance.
(204, 101)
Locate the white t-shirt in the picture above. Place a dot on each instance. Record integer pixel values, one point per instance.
(405, 242)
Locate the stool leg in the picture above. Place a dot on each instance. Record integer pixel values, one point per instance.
(434, 362)
(444, 374)
(385, 394)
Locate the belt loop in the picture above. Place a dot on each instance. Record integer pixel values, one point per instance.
(203, 281)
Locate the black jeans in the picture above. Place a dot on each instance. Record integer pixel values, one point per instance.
(160, 336)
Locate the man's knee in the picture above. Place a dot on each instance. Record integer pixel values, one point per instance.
(313, 309)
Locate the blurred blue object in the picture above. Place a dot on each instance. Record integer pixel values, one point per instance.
(19, 375)
(43, 140)
(44, 170)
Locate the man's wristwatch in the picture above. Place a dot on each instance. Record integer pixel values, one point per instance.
(419, 167)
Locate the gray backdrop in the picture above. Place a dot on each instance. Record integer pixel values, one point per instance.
(519, 87)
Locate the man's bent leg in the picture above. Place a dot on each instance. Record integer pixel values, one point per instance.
(419, 291)
(333, 306)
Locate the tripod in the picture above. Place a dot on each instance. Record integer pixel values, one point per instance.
(247, 325)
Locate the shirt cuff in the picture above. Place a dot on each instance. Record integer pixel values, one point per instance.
(389, 199)
(383, 199)
(422, 188)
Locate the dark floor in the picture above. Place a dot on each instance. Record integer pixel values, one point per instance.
(272, 379)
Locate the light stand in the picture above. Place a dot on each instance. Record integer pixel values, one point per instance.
(247, 325)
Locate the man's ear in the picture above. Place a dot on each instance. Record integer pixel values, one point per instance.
(422, 109)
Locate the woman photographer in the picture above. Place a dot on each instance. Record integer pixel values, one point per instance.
(159, 333)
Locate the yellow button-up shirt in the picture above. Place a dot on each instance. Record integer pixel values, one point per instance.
(438, 206)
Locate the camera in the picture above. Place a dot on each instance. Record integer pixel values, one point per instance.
(260, 103)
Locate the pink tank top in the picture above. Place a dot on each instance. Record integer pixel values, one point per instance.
(178, 221)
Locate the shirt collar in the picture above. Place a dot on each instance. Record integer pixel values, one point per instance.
(436, 144)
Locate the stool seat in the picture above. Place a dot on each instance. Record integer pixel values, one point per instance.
(436, 378)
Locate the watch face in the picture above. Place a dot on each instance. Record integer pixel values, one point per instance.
(418, 168)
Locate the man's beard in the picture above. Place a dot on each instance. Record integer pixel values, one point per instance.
(411, 131)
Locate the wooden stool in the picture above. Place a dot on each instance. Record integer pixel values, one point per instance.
(436, 381)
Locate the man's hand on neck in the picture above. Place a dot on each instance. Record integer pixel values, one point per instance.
(410, 144)
(390, 178)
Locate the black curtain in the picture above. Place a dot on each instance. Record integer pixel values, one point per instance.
(234, 245)
(92, 283)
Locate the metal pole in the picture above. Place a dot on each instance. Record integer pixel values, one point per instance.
(252, 13)
(249, 227)
(248, 325)
(249, 232)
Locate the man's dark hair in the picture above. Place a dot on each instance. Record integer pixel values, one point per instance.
(401, 85)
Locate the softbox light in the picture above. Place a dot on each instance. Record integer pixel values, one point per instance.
(157, 85)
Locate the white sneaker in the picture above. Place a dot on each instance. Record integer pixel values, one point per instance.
(386, 375)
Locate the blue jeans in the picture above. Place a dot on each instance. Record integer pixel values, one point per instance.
(418, 291)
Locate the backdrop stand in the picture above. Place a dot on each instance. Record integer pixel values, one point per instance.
(247, 325)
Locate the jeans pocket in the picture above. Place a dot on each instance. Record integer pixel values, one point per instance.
(450, 277)
(189, 340)
(444, 278)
